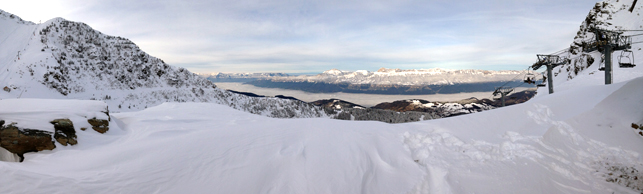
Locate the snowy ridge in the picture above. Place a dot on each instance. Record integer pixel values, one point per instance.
(70, 60)
(9, 16)
(453, 108)
(384, 76)
(439, 109)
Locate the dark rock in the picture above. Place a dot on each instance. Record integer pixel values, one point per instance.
(21, 141)
(287, 98)
(336, 104)
(635, 126)
(99, 125)
(246, 93)
(65, 132)
(388, 116)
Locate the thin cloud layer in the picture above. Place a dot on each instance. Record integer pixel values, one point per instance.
(310, 36)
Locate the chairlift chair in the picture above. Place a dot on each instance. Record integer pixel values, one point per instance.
(626, 60)
(529, 77)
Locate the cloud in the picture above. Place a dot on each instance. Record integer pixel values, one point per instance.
(306, 36)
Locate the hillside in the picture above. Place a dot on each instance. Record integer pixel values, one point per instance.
(62, 59)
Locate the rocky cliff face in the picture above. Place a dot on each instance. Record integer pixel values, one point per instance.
(113, 63)
(65, 59)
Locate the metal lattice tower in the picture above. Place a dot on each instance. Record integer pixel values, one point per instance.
(550, 61)
(503, 91)
(607, 42)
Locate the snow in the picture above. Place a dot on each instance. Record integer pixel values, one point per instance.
(567, 142)
(61, 59)
(37, 113)
(577, 140)
(205, 147)
(8, 156)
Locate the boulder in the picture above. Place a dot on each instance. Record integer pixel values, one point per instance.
(99, 125)
(65, 132)
(21, 141)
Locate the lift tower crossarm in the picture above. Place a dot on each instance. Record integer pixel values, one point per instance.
(603, 38)
(503, 91)
(607, 41)
(550, 61)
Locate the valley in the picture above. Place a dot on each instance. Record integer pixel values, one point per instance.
(366, 100)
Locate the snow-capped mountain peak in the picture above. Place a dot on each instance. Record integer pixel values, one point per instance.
(70, 60)
(384, 76)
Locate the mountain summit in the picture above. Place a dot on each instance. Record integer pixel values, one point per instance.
(70, 60)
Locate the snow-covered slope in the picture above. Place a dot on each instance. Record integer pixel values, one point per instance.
(69, 60)
(575, 141)
(384, 76)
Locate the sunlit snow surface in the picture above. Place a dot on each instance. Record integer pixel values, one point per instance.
(561, 143)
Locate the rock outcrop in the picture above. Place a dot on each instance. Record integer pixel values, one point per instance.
(387, 116)
(99, 125)
(21, 141)
(65, 133)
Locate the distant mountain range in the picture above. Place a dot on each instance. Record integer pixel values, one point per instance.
(413, 77)
(383, 81)
(239, 77)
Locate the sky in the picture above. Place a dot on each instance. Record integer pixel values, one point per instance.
(297, 36)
